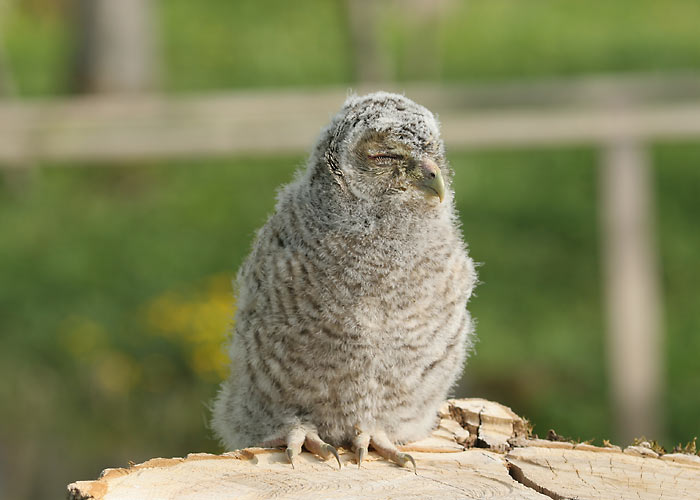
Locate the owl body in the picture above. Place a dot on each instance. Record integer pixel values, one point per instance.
(351, 311)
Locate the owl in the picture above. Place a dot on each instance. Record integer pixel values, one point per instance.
(351, 323)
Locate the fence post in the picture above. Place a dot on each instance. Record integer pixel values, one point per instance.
(116, 51)
(634, 338)
(371, 63)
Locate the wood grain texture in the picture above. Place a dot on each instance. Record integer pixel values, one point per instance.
(525, 468)
(262, 473)
(593, 473)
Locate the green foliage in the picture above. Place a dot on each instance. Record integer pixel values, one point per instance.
(691, 447)
(37, 39)
(242, 44)
(511, 38)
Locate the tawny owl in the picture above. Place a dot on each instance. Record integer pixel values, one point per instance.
(351, 323)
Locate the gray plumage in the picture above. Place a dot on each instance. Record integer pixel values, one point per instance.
(351, 313)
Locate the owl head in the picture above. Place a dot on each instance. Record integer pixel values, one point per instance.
(385, 149)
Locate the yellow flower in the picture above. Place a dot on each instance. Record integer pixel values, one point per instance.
(199, 320)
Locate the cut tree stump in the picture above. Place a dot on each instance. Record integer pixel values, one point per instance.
(480, 449)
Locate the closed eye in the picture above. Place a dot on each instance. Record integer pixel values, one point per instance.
(384, 156)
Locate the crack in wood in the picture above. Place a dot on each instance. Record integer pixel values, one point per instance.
(518, 475)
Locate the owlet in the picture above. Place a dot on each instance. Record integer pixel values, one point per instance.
(351, 323)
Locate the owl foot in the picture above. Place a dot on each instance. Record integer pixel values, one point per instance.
(299, 436)
(382, 445)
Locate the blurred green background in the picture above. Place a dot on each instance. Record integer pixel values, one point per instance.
(115, 290)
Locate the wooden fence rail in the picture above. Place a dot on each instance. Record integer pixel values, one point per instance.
(128, 127)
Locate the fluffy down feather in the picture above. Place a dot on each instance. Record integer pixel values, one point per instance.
(352, 303)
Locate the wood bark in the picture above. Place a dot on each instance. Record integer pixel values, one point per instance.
(480, 449)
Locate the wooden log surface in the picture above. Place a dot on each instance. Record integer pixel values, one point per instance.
(480, 449)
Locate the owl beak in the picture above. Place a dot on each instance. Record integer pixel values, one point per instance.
(430, 180)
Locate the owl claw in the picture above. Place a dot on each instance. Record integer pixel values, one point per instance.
(326, 448)
(361, 452)
(403, 458)
(290, 456)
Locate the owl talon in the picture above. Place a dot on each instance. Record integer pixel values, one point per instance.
(326, 448)
(290, 456)
(361, 452)
(403, 458)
